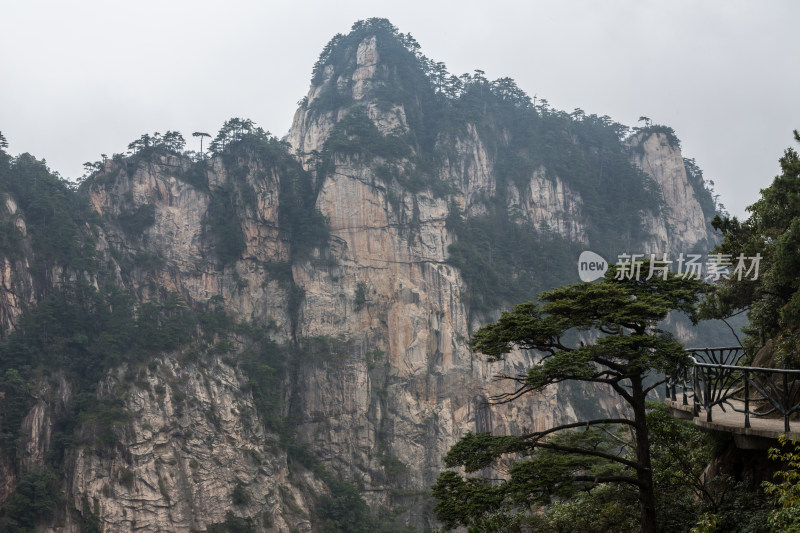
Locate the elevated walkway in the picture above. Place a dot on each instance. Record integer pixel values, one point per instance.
(763, 432)
(753, 404)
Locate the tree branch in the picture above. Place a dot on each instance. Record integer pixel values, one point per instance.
(622, 392)
(732, 330)
(584, 451)
(608, 479)
(508, 397)
(610, 364)
(539, 434)
(654, 385)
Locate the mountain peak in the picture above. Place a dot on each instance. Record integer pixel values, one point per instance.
(341, 50)
(373, 61)
(374, 67)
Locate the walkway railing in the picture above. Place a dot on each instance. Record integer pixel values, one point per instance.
(711, 377)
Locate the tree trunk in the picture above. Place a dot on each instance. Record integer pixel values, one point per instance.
(644, 470)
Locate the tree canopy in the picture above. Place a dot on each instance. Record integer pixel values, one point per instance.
(604, 333)
(772, 300)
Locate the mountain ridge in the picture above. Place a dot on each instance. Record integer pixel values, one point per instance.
(311, 300)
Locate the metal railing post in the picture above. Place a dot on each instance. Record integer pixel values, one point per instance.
(684, 379)
(707, 396)
(721, 386)
(786, 406)
(746, 399)
(695, 401)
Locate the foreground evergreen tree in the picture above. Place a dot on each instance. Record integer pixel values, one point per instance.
(772, 299)
(622, 315)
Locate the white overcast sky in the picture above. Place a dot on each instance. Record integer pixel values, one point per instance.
(86, 77)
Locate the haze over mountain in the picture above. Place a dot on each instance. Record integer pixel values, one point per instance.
(273, 335)
(85, 80)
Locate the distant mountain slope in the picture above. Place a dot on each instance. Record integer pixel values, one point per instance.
(268, 337)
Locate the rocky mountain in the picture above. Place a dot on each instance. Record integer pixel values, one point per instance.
(269, 337)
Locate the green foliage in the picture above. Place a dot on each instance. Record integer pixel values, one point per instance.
(652, 129)
(772, 301)
(71, 328)
(146, 149)
(99, 421)
(196, 175)
(680, 454)
(741, 509)
(172, 142)
(785, 494)
(394, 48)
(55, 216)
(15, 405)
(296, 296)
(357, 136)
(244, 146)
(708, 523)
(225, 225)
(300, 221)
(233, 524)
(623, 315)
(625, 311)
(10, 240)
(135, 222)
(33, 502)
(407, 85)
(536, 479)
(393, 467)
(607, 508)
(235, 130)
(361, 296)
(264, 364)
(240, 495)
(537, 493)
(90, 522)
(85, 332)
(586, 152)
(502, 260)
(701, 189)
(343, 510)
(126, 478)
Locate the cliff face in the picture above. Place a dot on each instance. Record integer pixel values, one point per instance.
(382, 381)
(686, 223)
(406, 385)
(16, 282)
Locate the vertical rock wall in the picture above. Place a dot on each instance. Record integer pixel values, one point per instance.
(383, 382)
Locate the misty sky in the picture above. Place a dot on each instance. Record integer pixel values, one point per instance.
(86, 77)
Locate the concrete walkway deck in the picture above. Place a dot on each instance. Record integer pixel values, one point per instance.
(762, 433)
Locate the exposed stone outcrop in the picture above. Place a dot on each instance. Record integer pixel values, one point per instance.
(192, 438)
(549, 204)
(181, 244)
(311, 127)
(404, 383)
(17, 289)
(685, 221)
(384, 382)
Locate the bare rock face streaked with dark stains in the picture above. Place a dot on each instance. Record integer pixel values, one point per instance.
(383, 382)
(16, 283)
(662, 160)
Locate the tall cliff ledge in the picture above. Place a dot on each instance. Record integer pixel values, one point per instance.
(260, 332)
